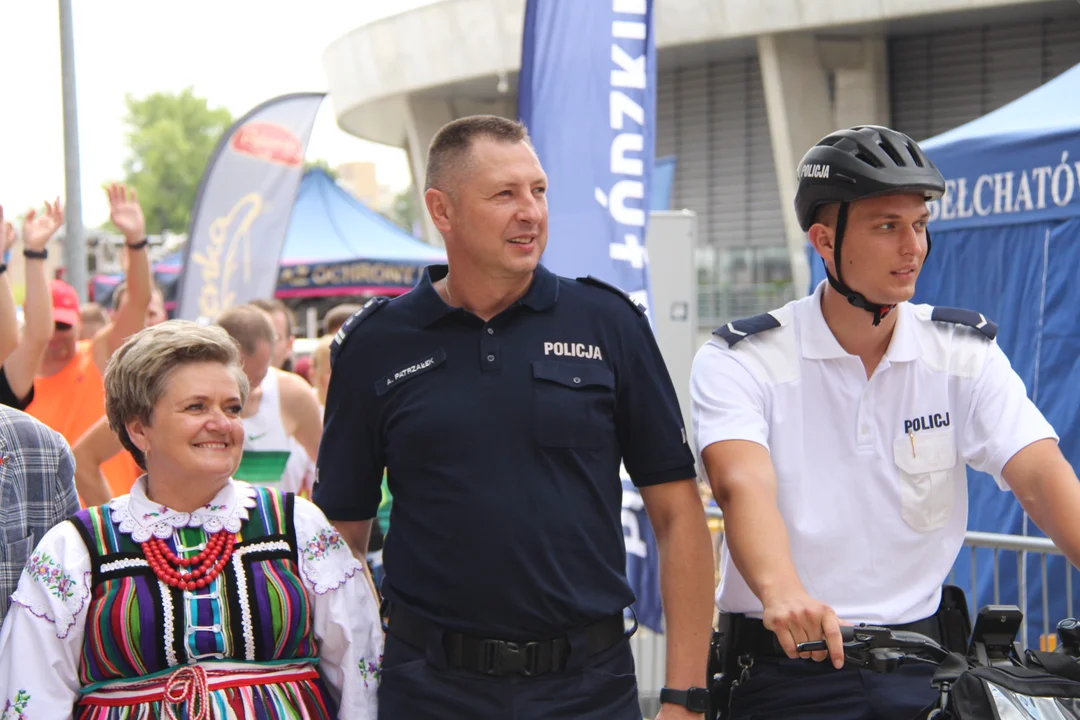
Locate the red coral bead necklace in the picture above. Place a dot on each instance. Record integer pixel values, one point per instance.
(207, 565)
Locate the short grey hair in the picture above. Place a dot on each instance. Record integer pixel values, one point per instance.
(138, 373)
(449, 149)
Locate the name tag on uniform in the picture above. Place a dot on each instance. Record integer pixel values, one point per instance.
(410, 371)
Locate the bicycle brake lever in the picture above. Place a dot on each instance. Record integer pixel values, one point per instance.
(868, 636)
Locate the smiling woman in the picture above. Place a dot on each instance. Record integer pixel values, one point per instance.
(227, 596)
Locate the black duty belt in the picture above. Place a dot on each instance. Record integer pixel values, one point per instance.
(746, 635)
(501, 657)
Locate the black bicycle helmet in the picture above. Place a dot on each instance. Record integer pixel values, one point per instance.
(862, 162)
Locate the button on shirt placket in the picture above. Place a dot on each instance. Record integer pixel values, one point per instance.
(490, 352)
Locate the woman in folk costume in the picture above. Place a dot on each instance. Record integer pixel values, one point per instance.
(196, 596)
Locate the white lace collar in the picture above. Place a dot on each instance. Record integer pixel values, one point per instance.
(142, 518)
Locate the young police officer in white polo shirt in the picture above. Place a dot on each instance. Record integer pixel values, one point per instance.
(835, 431)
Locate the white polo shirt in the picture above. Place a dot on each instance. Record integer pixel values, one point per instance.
(870, 473)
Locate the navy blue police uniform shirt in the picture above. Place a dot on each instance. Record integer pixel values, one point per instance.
(502, 442)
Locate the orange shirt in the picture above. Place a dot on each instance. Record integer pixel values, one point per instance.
(71, 401)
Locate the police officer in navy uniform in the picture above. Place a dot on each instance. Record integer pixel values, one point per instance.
(502, 399)
(835, 433)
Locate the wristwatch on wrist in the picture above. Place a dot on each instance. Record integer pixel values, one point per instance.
(694, 699)
(35, 254)
(138, 245)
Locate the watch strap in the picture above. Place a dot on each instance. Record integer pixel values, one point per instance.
(35, 254)
(694, 699)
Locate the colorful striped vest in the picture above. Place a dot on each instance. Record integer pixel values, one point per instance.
(257, 610)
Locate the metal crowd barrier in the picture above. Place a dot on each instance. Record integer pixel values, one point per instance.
(1023, 547)
(650, 650)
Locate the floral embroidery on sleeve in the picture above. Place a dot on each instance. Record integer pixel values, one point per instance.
(370, 670)
(15, 709)
(326, 561)
(52, 593)
(46, 571)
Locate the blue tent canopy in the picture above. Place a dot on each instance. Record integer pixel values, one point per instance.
(336, 245)
(1006, 242)
(1016, 165)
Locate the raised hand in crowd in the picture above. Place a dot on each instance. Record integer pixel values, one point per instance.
(25, 362)
(127, 215)
(39, 229)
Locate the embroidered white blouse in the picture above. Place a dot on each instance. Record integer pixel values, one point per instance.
(43, 633)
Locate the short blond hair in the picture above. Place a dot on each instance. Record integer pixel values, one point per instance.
(137, 374)
(274, 305)
(248, 325)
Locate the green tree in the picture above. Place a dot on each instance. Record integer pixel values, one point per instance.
(404, 212)
(323, 165)
(170, 137)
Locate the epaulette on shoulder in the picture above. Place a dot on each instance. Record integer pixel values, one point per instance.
(371, 307)
(970, 318)
(738, 330)
(597, 282)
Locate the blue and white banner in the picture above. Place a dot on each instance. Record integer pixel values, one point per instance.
(588, 96)
(242, 209)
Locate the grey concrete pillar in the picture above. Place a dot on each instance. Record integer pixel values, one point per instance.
(800, 113)
(423, 118)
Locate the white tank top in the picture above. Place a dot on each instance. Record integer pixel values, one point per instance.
(267, 446)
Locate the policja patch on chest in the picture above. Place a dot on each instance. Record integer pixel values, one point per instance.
(569, 349)
(927, 422)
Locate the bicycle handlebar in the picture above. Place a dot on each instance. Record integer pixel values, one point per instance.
(880, 648)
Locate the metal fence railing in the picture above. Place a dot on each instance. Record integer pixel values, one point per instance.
(1024, 548)
(650, 649)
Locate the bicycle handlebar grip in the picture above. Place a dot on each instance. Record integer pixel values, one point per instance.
(847, 634)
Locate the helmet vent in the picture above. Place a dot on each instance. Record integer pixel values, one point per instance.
(916, 155)
(891, 152)
(869, 159)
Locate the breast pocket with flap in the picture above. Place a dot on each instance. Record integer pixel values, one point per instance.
(574, 404)
(925, 463)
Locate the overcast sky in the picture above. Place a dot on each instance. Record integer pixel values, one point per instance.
(236, 53)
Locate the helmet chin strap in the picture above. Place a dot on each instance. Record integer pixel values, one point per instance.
(855, 298)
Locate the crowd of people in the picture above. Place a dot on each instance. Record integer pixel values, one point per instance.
(194, 524)
(300, 612)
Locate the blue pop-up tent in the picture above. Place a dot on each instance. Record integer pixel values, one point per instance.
(335, 245)
(1006, 242)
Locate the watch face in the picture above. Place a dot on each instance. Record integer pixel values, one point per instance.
(697, 700)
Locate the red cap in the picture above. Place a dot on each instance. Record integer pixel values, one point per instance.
(65, 303)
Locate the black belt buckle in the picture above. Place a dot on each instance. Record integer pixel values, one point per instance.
(501, 657)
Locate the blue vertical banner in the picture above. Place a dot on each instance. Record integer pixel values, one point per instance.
(587, 93)
(242, 208)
